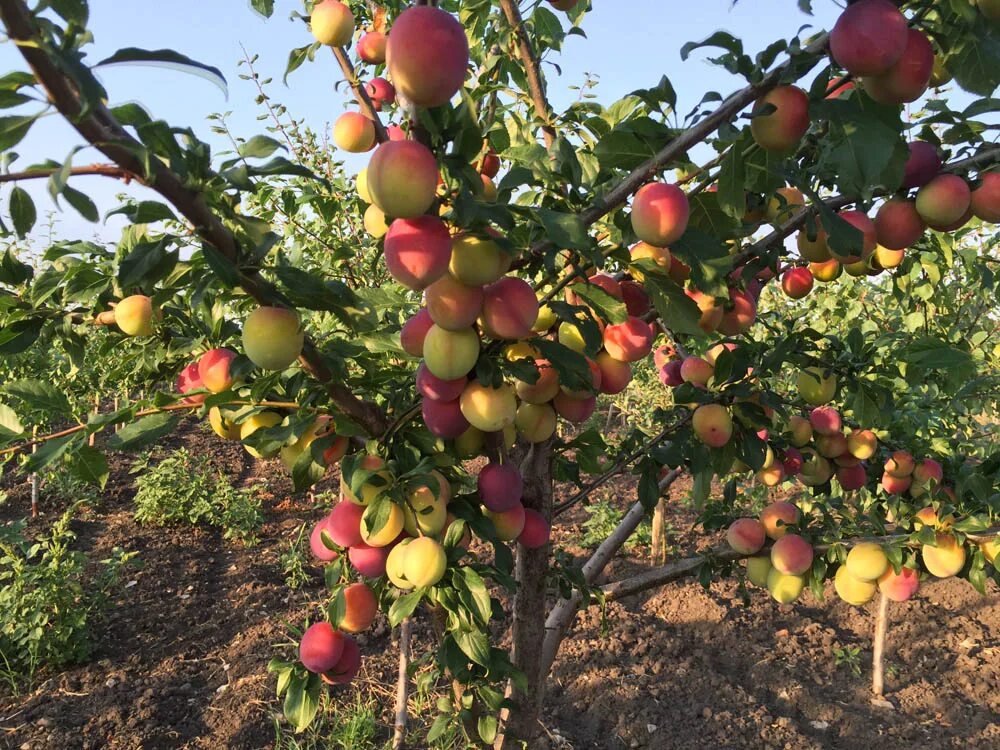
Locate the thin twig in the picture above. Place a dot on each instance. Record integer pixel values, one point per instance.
(104, 170)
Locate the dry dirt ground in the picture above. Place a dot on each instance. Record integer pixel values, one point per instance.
(180, 660)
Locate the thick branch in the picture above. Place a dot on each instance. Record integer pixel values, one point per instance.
(365, 101)
(106, 170)
(532, 69)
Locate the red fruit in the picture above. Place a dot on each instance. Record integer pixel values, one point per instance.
(838, 87)
(381, 92)
(851, 477)
(908, 77)
(417, 251)
(490, 164)
(347, 667)
(414, 331)
(321, 551)
(369, 561)
(615, 375)
(321, 647)
(670, 373)
(986, 198)
(797, 282)
(862, 223)
(190, 380)
(897, 224)
(636, 300)
(344, 524)
(371, 47)
(395, 133)
(783, 128)
(792, 461)
(500, 487)
(427, 55)
(663, 354)
(825, 420)
(444, 418)
(433, 387)
(536, 531)
(629, 341)
(869, 37)
(741, 316)
(576, 410)
(922, 165)
(510, 308)
(660, 213)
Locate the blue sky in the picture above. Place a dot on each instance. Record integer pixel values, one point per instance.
(630, 44)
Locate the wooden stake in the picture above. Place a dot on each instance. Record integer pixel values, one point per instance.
(34, 477)
(878, 650)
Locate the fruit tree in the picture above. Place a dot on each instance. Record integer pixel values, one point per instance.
(808, 265)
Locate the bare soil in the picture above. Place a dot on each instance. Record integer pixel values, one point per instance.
(180, 660)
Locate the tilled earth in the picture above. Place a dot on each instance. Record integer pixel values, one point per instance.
(180, 660)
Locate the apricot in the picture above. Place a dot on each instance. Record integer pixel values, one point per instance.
(134, 315)
(945, 558)
(784, 588)
(922, 165)
(711, 313)
(869, 37)
(476, 261)
(884, 258)
(414, 331)
(659, 213)
(418, 251)
(321, 646)
(860, 248)
(897, 224)
(509, 308)
(427, 55)
(816, 386)
(797, 282)
(368, 561)
(371, 47)
(782, 128)
(190, 380)
(508, 523)
(644, 251)
(260, 420)
(784, 204)
(222, 425)
(343, 525)
(851, 590)
(852, 478)
(403, 178)
(927, 475)
(696, 370)
(801, 430)
(453, 305)
(373, 485)
(488, 409)
(615, 374)
(395, 565)
(381, 93)
(444, 418)
(213, 369)
(712, 424)
(347, 667)
(826, 272)
(629, 341)
(908, 77)
(375, 222)
(321, 551)
(272, 337)
(746, 536)
(450, 354)
(470, 443)
(814, 250)
(741, 315)
(867, 561)
(758, 569)
(944, 200)
(985, 199)
(785, 513)
(831, 446)
(899, 587)
(825, 420)
(332, 23)
(360, 608)
(900, 464)
(862, 444)
(792, 555)
(387, 533)
(354, 133)
(536, 531)
(536, 423)
(576, 410)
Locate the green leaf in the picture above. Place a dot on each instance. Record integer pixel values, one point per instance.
(565, 230)
(143, 432)
(487, 728)
(475, 645)
(608, 308)
(76, 11)
(147, 263)
(144, 212)
(732, 180)
(264, 7)
(298, 56)
(678, 312)
(13, 271)
(259, 147)
(404, 606)
(40, 396)
(473, 593)
(166, 58)
(81, 202)
(22, 211)
(49, 452)
(929, 353)
(20, 335)
(974, 60)
(13, 129)
(10, 425)
(90, 465)
(302, 699)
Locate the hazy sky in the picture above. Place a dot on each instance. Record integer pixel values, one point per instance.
(630, 44)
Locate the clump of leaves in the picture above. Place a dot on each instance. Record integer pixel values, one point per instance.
(186, 489)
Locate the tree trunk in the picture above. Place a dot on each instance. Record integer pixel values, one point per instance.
(878, 652)
(402, 686)
(659, 551)
(531, 570)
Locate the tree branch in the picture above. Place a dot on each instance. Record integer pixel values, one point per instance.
(532, 69)
(105, 170)
(365, 101)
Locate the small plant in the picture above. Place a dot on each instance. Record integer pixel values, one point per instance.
(849, 657)
(67, 487)
(293, 561)
(47, 605)
(352, 726)
(185, 489)
(603, 519)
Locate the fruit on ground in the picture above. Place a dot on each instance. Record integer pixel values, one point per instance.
(213, 369)
(412, 335)
(510, 308)
(317, 547)
(381, 524)
(575, 410)
(476, 261)
(944, 200)
(417, 251)
(659, 213)
(190, 380)
(272, 337)
(783, 128)
(908, 77)
(321, 647)
(424, 562)
(816, 386)
(453, 305)
(985, 199)
(825, 420)
(360, 608)
(347, 667)
(258, 421)
(488, 409)
(134, 315)
(368, 561)
(450, 354)
(536, 423)
(867, 561)
(332, 23)
(869, 37)
(777, 517)
(899, 587)
(861, 246)
(945, 559)
(629, 341)
(746, 536)
(371, 486)
(851, 590)
(354, 133)
(814, 248)
(784, 588)
(922, 165)
(403, 178)
(444, 418)
(508, 523)
(371, 47)
(615, 374)
(797, 282)
(900, 464)
(792, 555)
(897, 224)
(713, 424)
(500, 486)
(801, 430)
(222, 425)
(427, 55)
(758, 568)
(536, 531)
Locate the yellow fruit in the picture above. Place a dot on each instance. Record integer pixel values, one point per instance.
(784, 588)
(260, 420)
(851, 590)
(867, 562)
(134, 315)
(425, 562)
(388, 533)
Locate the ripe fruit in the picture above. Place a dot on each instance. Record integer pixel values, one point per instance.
(509, 523)
(488, 409)
(360, 608)
(354, 133)
(828, 271)
(985, 199)
(222, 425)
(414, 331)
(644, 251)
(813, 250)
(381, 92)
(862, 444)
(922, 165)
(867, 561)
(321, 551)
(900, 464)
(429, 512)
(851, 478)
(637, 302)
(489, 165)
(712, 424)
(427, 55)
(570, 336)
(659, 213)
(536, 531)
(746, 536)
(450, 354)
(272, 337)
(791, 555)
(433, 387)
(542, 390)
(444, 418)
(945, 559)
(375, 222)
(784, 588)
(344, 524)
(134, 315)
(897, 224)
(321, 646)
(387, 533)
(346, 668)
(371, 47)
(510, 308)
(909, 76)
(615, 374)
(899, 587)
(850, 589)
(372, 486)
(711, 313)
(816, 386)
(332, 23)
(783, 128)
(476, 261)
(403, 178)
(784, 204)
(629, 341)
(190, 380)
(260, 420)
(785, 513)
(696, 370)
(394, 563)
(944, 200)
(797, 282)
(869, 37)
(368, 561)
(801, 430)
(741, 316)
(576, 410)
(213, 369)
(453, 305)
(860, 247)
(417, 251)
(825, 420)
(536, 423)
(885, 258)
